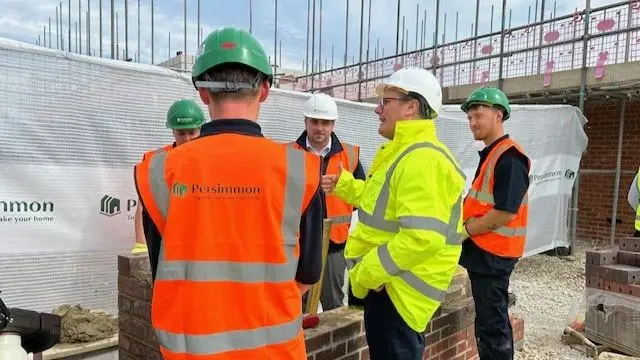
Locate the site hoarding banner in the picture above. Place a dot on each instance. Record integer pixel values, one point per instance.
(72, 137)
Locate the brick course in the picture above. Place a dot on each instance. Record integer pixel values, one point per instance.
(595, 201)
(340, 334)
(611, 318)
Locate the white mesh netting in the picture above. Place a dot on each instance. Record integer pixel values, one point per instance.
(73, 126)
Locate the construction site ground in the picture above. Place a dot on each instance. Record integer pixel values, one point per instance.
(549, 290)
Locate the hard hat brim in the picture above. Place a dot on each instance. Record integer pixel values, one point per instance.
(319, 117)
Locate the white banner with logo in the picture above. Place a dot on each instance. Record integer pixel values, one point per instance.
(73, 127)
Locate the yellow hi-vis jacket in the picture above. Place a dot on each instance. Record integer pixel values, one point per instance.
(408, 235)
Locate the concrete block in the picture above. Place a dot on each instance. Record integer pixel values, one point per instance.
(628, 258)
(615, 273)
(630, 244)
(622, 274)
(601, 257)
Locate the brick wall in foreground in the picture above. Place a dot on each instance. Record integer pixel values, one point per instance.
(340, 335)
(450, 336)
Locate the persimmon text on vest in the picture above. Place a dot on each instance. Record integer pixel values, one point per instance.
(224, 189)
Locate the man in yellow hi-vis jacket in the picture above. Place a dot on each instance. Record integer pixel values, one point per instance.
(404, 250)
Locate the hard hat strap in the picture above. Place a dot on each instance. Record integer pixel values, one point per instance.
(425, 109)
(229, 86)
(225, 86)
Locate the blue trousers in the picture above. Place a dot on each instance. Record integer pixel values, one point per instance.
(388, 336)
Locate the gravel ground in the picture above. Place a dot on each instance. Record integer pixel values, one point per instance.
(548, 289)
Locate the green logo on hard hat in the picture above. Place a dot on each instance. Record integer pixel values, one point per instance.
(180, 190)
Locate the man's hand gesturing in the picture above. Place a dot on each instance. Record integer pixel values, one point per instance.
(329, 182)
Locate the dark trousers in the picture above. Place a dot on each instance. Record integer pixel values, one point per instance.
(332, 295)
(494, 335)
(388, 336)
(636, 233)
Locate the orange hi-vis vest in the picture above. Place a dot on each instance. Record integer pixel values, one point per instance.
(150, 153)
(228, 208)
(337, 210)
(506, 241)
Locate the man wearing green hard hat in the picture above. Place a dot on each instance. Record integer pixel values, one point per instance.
(495, 220)
(237, 218)
(184, 118)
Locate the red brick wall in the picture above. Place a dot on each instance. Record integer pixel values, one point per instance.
(595, 201)
(340, 334)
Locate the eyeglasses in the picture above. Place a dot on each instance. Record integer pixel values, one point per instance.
(384, 101)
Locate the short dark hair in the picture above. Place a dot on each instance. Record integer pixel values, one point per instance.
(234, 73)
(494, 107)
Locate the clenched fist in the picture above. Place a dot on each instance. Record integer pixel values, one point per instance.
(329, 182)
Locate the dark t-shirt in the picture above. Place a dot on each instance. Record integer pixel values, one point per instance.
(511, 181)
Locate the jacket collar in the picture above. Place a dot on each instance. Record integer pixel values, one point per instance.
(237, 126)
(408, 131)
(336, 146)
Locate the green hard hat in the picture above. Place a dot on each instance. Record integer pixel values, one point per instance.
(185, 114)
(226, 46)
(488, 96)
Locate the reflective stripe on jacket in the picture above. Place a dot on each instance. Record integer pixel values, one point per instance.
(506, 241)
(225, 283)
(407, 238)
(338, 210)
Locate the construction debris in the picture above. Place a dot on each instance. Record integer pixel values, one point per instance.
(613, 296)
(82, 325)
(548, 289)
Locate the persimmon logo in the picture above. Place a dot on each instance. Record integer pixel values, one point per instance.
(179, 190)
(109, 205)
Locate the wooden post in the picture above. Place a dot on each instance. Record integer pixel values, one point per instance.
(313, 296)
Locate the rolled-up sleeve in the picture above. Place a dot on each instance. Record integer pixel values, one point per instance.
(424, 208)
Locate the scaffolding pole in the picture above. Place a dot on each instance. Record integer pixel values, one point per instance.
(361, 45)
(583, 89)
(502, 36)
(57, 30)
(100, 32)
(616, 190)
(113, 37)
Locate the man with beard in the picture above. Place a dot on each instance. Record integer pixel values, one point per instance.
(495, 215)
(320, 114)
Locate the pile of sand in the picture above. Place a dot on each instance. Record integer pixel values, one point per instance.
(82, 325)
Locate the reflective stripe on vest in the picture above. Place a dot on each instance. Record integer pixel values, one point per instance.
(244, 272)
(340, 223)
(352, 157)
(485, 194)
(152, 153)
(377, 221)
(341, 219)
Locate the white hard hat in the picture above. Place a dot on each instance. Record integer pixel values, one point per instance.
(321, 106)
(416, 80)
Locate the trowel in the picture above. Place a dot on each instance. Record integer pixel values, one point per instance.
(24, 333)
